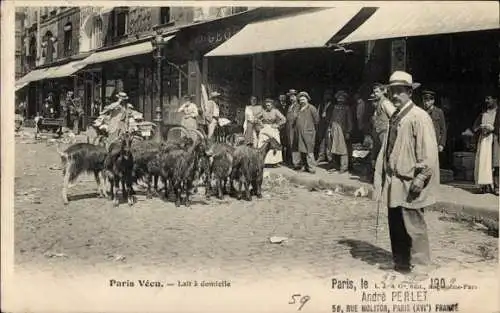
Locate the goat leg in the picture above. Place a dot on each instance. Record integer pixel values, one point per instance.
(65, 185)
(131, 197)
(188, 185)
(177, 190)
(240, 186)
(248, 196)
(155, 186)
(220, 194)
(116, 182)
(124, 188)
(166, 185)
(148, 182)
(258, 187)
(97, 176)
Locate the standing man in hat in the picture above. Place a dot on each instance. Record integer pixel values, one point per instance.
(212, 113)
(292, 155)
(306, 125)
(75, 108)
(341, 127)
(190, 110)
(437, 116)
(383, 110)
(407, 174)
(325, 114)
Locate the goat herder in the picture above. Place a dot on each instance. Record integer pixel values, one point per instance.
(113, 118)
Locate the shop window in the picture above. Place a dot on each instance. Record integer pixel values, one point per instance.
(164, 15)
(121, 21)
(68, 39)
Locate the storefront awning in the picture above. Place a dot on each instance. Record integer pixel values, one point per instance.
(123, 52)
(419, 19)
(66, 69)
(307, 30)
(32, 76)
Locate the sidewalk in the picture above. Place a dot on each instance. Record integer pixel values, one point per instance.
(450, 199)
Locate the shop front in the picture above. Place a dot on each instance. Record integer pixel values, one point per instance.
(452, 50)
(296, 51)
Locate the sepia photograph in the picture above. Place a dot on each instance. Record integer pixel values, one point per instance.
(250, 156)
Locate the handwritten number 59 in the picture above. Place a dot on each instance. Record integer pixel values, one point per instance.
(299, 299)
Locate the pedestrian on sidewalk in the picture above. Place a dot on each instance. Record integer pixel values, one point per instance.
(407, 175)
(271, 120)
(282, 106)
(321, 151)
(306, 125)
(212, 113)
(251, 125)
(437, 116)
(190, 113)
(340, 131)
(380, 120)
(487, 128)
(293, 156)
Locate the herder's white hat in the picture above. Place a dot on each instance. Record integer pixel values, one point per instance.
(400, 78)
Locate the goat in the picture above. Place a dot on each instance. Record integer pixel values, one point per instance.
(154, 165)
(119, 166)
(180, 168)
(82, 158)
(221, 165)
(248, 167)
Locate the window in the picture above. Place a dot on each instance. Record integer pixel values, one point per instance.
(97, 34)
(68, 38)
(164, 15)
(48, 47)
(121, 20)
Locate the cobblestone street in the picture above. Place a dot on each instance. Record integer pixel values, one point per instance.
(327, 233)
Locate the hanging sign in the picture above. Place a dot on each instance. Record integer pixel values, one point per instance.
(398, 55)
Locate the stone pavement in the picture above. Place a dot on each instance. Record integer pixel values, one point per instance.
(328, 235)
(451, 199)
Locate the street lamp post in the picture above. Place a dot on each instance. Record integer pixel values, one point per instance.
(158, 43)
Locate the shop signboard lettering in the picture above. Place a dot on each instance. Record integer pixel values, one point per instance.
(213, 38)
(398, 55)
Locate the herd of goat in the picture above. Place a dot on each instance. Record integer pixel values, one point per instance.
(180, 164)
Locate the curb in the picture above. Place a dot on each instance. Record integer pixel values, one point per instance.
(479, 214)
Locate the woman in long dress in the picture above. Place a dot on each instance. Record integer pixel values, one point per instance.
(250, 125)
(190, 111)
(487, 160)
(271, 120)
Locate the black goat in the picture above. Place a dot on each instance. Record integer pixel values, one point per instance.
(154, 165)
(119, 167)
(82, 158)
(248, 167)
(180, 168)
(221, 166)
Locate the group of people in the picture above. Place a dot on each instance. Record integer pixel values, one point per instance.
(406, 143)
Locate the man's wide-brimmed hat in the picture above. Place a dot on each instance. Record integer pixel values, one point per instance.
(304, 94)
(400, 78)
(214, 94)
(269, 100)
(291, 92)
(122, 95)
